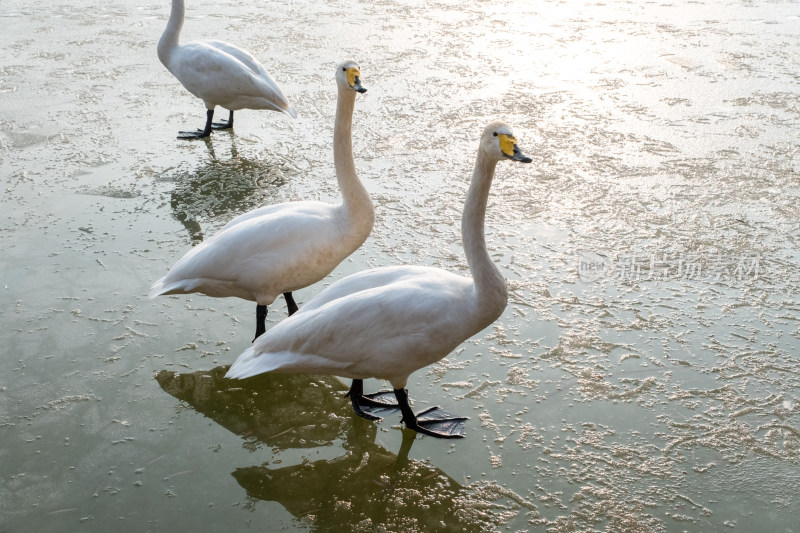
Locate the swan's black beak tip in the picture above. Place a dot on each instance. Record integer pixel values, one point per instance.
(519, 156)
(358, 87)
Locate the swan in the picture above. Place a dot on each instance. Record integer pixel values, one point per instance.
(218, 73)
(389, 322)
(282, 248)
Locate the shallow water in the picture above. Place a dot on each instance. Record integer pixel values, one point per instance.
(644, 376)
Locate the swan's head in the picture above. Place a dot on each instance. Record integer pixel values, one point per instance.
(498, 141)
(348, 76)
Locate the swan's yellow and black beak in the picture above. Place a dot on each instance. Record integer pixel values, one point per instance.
(508, 145)
(354, 80)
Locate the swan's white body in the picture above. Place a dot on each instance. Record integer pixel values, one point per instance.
(285, 247)
(388, 322)
(218, 73)
(383, 323)
(260, 256)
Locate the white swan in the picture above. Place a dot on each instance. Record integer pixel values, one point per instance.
(388, 322)
(281, 248)
(218, 73)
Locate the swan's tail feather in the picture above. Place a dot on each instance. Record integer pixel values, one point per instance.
(290, 110)
(253, 362)
(158, 288)
(181, 286)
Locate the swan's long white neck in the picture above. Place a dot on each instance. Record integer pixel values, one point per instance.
(356, 199)
(169, 39)
(490, 286)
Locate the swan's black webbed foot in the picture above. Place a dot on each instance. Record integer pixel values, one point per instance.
(438, 423)
(225, 124)
(432, 421)
(196, 134)
(365, 405)
(199, 134)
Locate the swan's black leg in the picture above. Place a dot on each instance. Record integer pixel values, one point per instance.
(289, 299)
(199, 134)
(261, 320)
(361, 400)
(224, 125)
(452, 426)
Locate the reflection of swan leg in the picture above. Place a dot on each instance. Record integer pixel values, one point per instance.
(225, 124)
(409, 436)
(290, 304)
(191, 225)
(199, 134)
(361, 400)
(261, 320)
(452, 427)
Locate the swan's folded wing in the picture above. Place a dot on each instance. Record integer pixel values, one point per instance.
(213, 74)
(370, 279)
(382, 332)
(311, 208)
(201, 68)
(253, 254)
(242, 55)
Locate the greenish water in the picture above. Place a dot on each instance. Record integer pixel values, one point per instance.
(644, 376)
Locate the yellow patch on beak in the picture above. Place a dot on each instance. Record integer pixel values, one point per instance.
(352, 74)
(507, 143)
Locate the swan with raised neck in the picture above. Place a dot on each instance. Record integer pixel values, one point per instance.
(282, 248)
(388, 322)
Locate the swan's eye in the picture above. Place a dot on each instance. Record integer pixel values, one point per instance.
(344, 69)
(495, 134)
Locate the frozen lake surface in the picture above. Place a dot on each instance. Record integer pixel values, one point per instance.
(644, 377)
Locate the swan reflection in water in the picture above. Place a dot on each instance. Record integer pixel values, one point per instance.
(367, 486)
(222, 189)
(267, 411)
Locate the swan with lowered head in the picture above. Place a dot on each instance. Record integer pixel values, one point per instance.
(282, 248)
(218, 73)
(389, 322)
